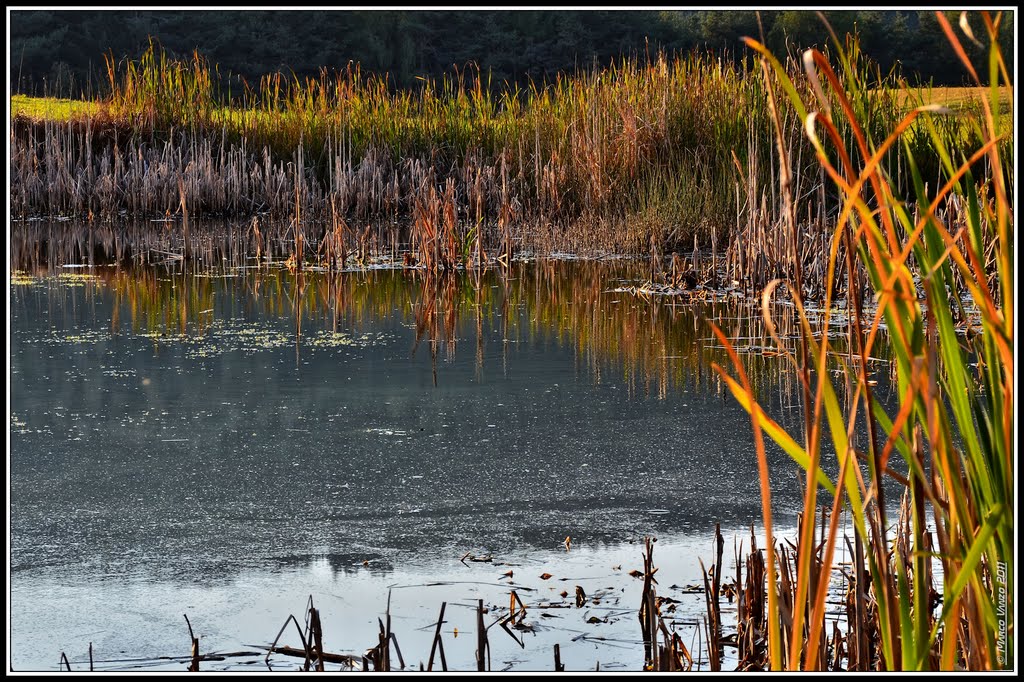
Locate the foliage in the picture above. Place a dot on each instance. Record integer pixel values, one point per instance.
(942, 285)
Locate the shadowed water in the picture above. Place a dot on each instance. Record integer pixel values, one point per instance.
(227, 441)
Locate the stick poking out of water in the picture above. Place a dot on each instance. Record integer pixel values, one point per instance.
(194, 665)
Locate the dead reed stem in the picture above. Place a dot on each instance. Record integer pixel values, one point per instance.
(483, 651)
(194, 665)
(437, 645)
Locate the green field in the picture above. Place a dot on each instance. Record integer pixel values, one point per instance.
(51, 109)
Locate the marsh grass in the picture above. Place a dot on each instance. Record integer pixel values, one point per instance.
(644, 155)
(942, 288)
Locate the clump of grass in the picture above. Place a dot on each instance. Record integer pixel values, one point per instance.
(941, 284)
(157, 92)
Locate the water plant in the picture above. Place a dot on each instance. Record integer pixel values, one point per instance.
(940, 286)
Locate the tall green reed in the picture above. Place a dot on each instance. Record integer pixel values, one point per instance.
(939, 266)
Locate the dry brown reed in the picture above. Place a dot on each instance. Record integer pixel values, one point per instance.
(193, 666)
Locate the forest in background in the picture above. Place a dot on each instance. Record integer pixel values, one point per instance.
(60, 52)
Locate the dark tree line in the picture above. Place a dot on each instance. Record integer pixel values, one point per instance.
(61, 51)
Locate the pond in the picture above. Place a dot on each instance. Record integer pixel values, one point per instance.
(227, 442)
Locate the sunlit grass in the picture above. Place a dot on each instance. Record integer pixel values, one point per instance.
(961, 101)
(52, 109)
(962, 98)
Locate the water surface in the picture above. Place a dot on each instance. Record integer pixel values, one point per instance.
(229, 441)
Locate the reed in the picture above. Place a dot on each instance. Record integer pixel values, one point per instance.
(939, 283)
(663, 149)
(193, 666)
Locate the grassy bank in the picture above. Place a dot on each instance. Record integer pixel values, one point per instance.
(621, 145)
(645, 156)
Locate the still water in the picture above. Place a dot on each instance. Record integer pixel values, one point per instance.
(226, 443)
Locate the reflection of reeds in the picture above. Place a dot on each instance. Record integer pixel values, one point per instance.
(655, 345)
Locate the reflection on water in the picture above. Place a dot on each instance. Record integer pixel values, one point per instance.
(231, 429)
(656, 342)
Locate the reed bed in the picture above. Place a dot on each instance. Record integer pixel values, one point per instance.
(942, 286)
(644, 156)
(575, 151)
